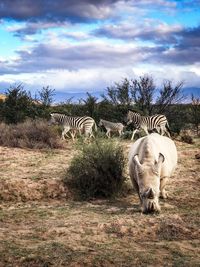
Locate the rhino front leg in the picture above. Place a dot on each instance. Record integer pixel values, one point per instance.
(163, 182)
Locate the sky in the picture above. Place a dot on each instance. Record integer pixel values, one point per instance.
(87, 45)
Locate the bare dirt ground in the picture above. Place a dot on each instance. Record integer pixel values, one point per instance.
(41, 225)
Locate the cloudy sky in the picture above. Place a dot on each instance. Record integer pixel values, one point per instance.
(87, 45)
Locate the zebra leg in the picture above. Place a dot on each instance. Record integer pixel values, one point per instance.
(73, 134)
(146, 131)
(87, 133)
(162, 130)
(92, 135)
(136, 130)
(65, 131)
(108, 133)
(158, 129)
(167, 132)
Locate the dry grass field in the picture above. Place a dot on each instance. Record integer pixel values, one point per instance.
(41, 225)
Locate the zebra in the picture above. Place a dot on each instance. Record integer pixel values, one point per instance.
(158, 122)
(74, 124)
(112, 127)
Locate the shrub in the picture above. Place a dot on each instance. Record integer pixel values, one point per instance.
(18, 105)
(29, 134)
(97, 170)
(127, 135)
(187, 139)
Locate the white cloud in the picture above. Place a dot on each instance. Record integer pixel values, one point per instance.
(97, 79)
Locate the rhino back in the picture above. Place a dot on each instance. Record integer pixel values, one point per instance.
(156, 144)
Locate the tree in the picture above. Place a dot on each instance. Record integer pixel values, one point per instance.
(195, 112)
(18, 105)
(142, 91)
(90, 104)
(119, 94)
(169, 95)
(46, 96)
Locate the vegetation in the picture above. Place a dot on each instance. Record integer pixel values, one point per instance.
(17, 106)
(46, 96)
(140, 95)
(195, 112)
(29, 134)
(187, 139)
(97, 170)
(42, 226)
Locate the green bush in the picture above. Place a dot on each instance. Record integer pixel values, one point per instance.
(187, 139)
(29, 134)
(127, 135)
(97, 170)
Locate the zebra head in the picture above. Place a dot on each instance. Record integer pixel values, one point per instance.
(100, 123)
(134, 118)
(129, 117)
(53, 119)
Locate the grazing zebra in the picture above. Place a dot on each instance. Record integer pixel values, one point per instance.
(74, 124)
(158, 122)
(112, 127)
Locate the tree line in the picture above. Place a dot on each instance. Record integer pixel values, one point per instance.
(139, 95)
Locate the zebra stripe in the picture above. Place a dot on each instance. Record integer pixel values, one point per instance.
(112, 127)
(158, 122)
(74, 124)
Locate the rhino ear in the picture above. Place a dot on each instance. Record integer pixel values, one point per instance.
(161, 159)
(137, 162)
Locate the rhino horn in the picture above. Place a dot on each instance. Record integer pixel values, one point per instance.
(136, 159)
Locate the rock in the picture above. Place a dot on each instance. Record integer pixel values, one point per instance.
(197, 156)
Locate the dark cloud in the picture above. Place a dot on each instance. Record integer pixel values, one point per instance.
(48, 57)
(32, 28)
(161, 33)
(177, 56)
(71, 10)
(179, 45)
(185, 51)
(189, 38)
(52, 10)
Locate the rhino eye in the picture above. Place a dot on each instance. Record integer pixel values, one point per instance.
(142, 195)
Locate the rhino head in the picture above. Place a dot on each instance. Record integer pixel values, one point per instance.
(149, 184)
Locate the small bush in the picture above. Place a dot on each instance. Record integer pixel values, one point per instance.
(29, 134)
(97, 171)
(127, 134)
(187, 139)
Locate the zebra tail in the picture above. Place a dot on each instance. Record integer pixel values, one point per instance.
(168, 129)
(95, 127)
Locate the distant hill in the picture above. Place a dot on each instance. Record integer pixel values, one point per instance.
(2, 97)
(64, 96)
(191, 90)
(75, 97)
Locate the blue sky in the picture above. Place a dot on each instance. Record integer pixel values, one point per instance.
(87, 45)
